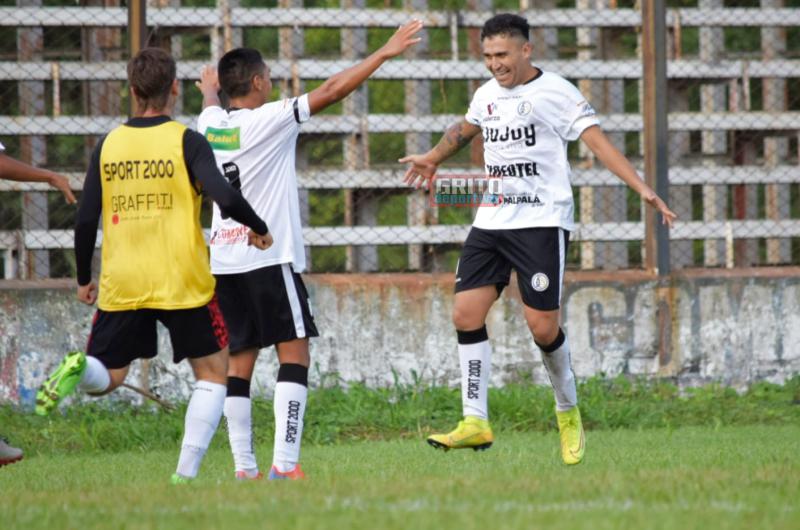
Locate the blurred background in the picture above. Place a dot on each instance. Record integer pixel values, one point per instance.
(732, 89)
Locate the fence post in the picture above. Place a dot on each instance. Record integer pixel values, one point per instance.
(776, 149)
(417, 103)
(137, 34)
(654, 109)
(714, 144)
(33, 149)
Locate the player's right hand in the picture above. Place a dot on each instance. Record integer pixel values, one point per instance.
(61, 183)
(421, 171)
(259, 241)
(87, 293)
(209, 80)
(403, 38)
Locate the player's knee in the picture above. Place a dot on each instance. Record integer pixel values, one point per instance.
(544, 331)
(466, 320)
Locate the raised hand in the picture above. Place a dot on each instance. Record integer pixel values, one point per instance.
(209, 81)
(403, 38)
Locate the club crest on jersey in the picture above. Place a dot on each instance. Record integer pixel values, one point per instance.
(524, 108)
(540, 282)
(491, 108)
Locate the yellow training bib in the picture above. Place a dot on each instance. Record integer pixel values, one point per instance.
(154, 255)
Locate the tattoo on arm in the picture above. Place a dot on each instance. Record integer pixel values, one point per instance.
(456, 137)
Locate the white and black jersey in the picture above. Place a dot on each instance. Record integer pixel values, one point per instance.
(525, 133)
(255, 150)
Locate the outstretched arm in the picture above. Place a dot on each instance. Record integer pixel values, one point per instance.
(340, 85)
(423, 167)
(11, 169)
(596, 140)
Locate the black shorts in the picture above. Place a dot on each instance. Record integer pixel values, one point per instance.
(536, 254)
(264, 307)
(120, 337)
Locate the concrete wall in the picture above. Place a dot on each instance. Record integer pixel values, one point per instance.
(734, 327)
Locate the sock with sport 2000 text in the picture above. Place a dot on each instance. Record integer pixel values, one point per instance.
(202, 418)
(291, 394)
(474, 354)
(558, 362)
(238, 415)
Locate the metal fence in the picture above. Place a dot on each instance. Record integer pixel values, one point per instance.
(733, 86)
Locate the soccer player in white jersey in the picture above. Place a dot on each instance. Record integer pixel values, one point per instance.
(526, 117)
(262, 296)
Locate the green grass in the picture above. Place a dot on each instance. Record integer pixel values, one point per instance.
(336, 415)
(692, 477)
(657, 457)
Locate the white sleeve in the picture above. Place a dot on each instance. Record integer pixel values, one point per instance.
(576, 114)
(474, 113)
(2, 147)
(285, 114)
(301, 108)
(206, 117)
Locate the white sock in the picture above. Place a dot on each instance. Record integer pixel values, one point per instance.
(290, 407)
(238, 414)
(557, 360)
(202, 418)
(95, 378)
(474, 355)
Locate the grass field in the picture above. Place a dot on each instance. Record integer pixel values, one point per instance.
(657, 457)
(728, 477)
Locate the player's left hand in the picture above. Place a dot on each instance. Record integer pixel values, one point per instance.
(209, 80)
(61, 183)
(259, 241)
(88, 293)
(667, 216)
(403, 38)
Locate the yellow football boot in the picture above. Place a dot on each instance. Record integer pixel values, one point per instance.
(573, 439)
(472, 433)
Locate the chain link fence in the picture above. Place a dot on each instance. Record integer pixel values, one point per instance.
(734, 93)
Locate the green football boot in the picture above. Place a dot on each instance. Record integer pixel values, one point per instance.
(61, 383)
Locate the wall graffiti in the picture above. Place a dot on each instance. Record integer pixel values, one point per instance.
(377, 330)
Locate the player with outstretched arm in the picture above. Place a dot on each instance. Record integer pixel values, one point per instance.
(262, 295)
(526, 116)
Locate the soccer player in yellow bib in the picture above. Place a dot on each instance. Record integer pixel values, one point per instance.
(145, 180)
(526, 117)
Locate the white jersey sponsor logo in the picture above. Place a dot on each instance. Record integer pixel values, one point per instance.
(525, 133)
(255, 149)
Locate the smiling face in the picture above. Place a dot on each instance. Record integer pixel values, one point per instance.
(508, 58)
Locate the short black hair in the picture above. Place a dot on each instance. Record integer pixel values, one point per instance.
(151, 73)
(506, 24)
(236, 70)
